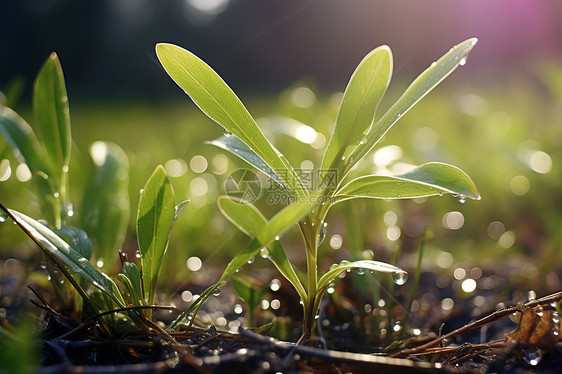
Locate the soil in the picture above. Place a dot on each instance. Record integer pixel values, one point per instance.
(514, 338)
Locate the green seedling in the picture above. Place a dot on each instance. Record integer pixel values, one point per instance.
(104, 213)
(157, 215)
(46, 151)
(355, 134)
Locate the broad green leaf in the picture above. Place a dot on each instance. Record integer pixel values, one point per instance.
(215, 98)
(22, 140)
(240, 149)
(105, 206)
(361, 98)
(429, 179)
(155, 218)
(54, 246)
(422, 85)
(367, 265)
(50, 107)
(250, 221)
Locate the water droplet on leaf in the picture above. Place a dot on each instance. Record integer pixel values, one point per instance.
(400, 277)
(322, 234)
(264, 252)
(462, 61)
(216, 291)
(251, 261)
(226, 133)
(360, 271)
(3, 216)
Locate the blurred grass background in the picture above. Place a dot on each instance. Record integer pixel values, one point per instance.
(498, 118)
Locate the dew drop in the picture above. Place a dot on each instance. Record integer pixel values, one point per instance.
(331, 288)
(226, 133)
(532, 358)
(462, 61)
(264, 252)
(137, 254)
(461, 199)
(400, 277)
(361, 271)
(3, 216)
(322, 234)
(69, 209)
(216, 291)
(56, 195)
(100, 262)
(251, 261)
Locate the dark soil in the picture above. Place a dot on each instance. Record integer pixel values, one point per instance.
(350, 338)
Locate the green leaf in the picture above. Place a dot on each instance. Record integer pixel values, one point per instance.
(131, 279)
(240, 149)
(361, 98)
(213, 96)
(420, 87)
(429, 179)
(22, 140)
(248, 219)
(78, 238)
(50, 107)
(281, 222)
(368, 265)
(105, 206)
(54, 246)
(248, 290)
(155, 218)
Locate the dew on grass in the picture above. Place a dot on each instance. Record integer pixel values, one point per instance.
(226, 133)
(69, 209)
(264, 252)
(216, 291)
(322, 234)
(3, 216)
(400, 277)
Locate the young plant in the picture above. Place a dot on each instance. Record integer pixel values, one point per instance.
(46, 152)
(157, 215)
(355, 134)
(104, 213)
